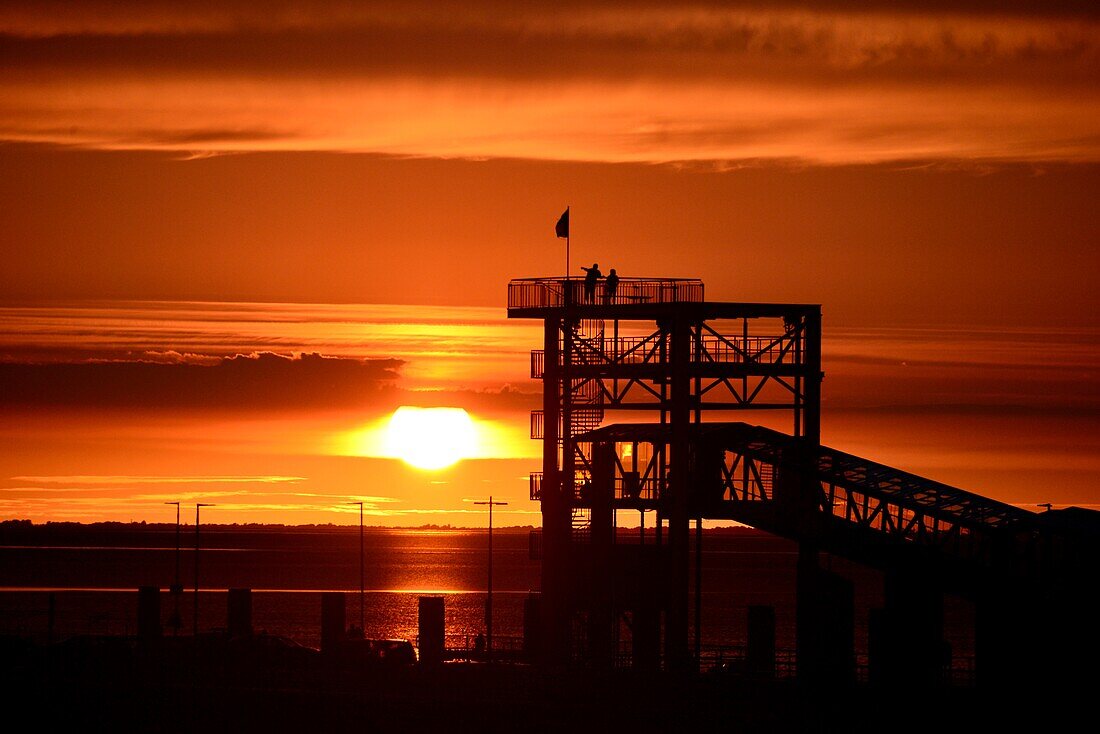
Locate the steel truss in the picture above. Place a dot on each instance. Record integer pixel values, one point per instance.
(739, 471)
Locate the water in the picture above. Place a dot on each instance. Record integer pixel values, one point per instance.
(92, 575)
(294, 614)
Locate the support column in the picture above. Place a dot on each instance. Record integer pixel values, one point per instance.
(760, 648)
(677, 655)
(698, 591)
(1008, 629)
(826, 624)
(838, 628)
(912, 645)
(555, 510)
(806, 615)
(811, 410)
(797, 492)
(148, 625)
(532, 627)
(646, 622)
(239, 612)
(601, 609)
(431, 629)
(333, 621)
(878, 656)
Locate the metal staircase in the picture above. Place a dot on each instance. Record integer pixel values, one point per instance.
(584, 406)
(581, 524)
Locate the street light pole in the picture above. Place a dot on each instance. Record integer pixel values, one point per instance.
(362, 628)
(177, 588)
(489, 595)
(196, 618)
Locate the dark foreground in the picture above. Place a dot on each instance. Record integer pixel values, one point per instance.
(114, 684)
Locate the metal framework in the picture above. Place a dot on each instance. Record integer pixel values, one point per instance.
(864, 511)
(679, 366)
(654, 346)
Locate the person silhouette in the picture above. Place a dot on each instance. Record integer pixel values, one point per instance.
(591, 277)
(611, 286)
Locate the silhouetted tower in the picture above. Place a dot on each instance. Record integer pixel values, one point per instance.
(658, 350)
(655, 349)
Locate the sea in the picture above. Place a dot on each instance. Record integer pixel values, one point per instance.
(63, 580)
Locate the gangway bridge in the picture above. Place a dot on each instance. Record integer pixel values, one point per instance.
(682, 368)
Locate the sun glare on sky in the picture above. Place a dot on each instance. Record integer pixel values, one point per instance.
(430, 438)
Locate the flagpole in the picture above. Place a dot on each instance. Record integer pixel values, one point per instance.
(568, 234)
(563, 221)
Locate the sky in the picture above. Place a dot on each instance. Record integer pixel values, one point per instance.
(238, 236)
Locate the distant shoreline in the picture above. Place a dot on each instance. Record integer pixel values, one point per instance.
(17, 525)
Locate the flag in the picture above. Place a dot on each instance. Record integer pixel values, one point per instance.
(562, 227)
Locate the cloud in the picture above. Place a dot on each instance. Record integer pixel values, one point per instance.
(839, 83)
(142, 17)
(113, 354)
(435, 347)
(259, 381)
(130, 480)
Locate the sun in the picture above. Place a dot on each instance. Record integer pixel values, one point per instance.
(430, 438)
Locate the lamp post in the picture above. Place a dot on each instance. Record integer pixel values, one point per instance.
(362, 628)
(177, 587)
(489, 595)
(196, 618)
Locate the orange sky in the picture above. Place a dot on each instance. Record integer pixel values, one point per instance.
(195, 196)
(114, 407)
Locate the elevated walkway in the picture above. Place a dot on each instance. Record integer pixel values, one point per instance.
(858, 509)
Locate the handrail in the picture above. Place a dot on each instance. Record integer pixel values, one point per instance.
(709, 350)
(559, 292)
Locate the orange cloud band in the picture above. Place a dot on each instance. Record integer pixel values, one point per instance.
(597, 84)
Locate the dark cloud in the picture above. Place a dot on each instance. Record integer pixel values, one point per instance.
(1071, 371)
(206, 136)
(797, 48)
(831, 82)
(138, 16)
(260, 381)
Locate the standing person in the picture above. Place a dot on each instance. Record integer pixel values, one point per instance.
(612, 286)
(591, 277)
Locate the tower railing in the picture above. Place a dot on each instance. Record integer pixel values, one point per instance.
(631, 350)
(559, 292)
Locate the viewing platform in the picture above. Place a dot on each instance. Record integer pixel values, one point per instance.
(531, 297)
(636, 298)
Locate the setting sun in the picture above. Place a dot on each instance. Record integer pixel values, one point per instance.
(430, 438)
